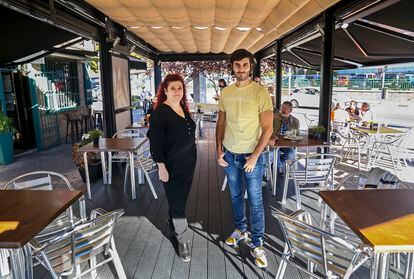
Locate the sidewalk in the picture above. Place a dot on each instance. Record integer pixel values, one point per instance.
(57, 159)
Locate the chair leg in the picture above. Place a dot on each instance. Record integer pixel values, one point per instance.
(224, 183)
(48, 265)
(4, 264)
(126, 177)
(109, 167)
(297, 192)
(282, 268)
(92, 266)
(150, 184)
(117, 261)
(286, 184)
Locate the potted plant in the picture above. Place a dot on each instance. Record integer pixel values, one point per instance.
(317, 132)
(94, 161)
(94, 135)
(6, 139)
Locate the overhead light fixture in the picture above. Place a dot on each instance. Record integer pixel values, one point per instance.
(201, 27)
(344, 25)
(259, 29)
(243, 29)
(156, 27)
(220, 28)
(135, 27)
(117, 39)
(132, 49)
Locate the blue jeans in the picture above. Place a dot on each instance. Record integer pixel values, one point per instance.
(285, 154)
(253, 182)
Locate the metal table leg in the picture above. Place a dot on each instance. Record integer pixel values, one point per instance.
(104, 173)
(88, 182)
(275, 159)
(132, 171)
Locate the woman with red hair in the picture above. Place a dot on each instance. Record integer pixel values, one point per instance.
(172, 145)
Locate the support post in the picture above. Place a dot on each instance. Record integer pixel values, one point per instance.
(107, 84)
(157, 74)
(256, 70)
(327, 59)
(279, 70)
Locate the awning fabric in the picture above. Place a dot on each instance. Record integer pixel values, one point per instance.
(23, 35)
(210, 26)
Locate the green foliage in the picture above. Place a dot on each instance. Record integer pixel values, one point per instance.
(6, 124)
(317, 130)
(93, 134)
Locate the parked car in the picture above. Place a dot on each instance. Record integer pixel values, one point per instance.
(304, 97)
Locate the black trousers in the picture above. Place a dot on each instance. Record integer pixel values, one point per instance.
(177, 189)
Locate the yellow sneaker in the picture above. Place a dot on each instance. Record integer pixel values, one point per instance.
(235, 237)
(259, 256)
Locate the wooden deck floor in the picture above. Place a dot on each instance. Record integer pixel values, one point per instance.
(142, 240)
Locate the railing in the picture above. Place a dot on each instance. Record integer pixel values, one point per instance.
(55, 100)
(357, 84)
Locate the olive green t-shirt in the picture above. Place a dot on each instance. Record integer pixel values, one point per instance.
(243, 106)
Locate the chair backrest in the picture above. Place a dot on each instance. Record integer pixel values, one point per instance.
(82, 243)
(37, 180)
(331, 254)
(129, 133)
(316, 168)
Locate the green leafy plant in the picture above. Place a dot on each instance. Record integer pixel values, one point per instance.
(93, 134)
(317, 130)
(6, 125)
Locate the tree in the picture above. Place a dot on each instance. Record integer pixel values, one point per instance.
(213, 70)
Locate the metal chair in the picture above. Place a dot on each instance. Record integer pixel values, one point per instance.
(315, 168)
(42, 180)
(376, 178)
(325, 253)
(353, 143)
(122, 156)
(143, 162)
(391, 151)
(64, 254)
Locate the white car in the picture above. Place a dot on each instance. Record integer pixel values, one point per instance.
(303, 97)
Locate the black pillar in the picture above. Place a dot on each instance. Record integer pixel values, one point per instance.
(106, 86)
(278, 91)
(157, 74)
(327, 59)
(256, 70)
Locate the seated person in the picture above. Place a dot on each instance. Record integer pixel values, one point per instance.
(353, 110)
(365, 114)
(283, 122)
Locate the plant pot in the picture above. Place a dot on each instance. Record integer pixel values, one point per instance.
(6, 148)
(95, 172)
(95, 142)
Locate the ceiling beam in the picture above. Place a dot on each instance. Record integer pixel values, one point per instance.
(382, 30)
(356, 43)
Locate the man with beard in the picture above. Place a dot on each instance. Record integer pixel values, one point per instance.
(283, 122)
(244, 127)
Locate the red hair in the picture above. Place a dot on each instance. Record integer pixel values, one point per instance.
(162, 97)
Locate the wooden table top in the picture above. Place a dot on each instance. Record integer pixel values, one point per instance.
(114, 144)
(24, 213)
(382, 130)
(383, 219)
(305, 142)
